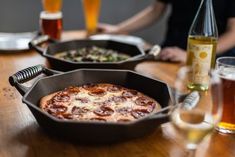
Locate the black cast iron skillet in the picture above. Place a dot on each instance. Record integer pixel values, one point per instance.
(90, 131)
(137, 54)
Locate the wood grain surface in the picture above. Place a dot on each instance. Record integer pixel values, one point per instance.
(21, 136)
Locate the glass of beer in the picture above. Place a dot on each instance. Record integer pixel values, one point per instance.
(226, 69)
(91, 10)
(51, 24)
(52, 5)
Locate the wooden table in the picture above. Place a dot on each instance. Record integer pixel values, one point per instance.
(21, 136)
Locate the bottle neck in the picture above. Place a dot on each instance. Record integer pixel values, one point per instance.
(210, 19)
(208, 1)
(204, 23)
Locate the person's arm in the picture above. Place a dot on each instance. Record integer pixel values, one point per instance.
(137, 22)
(227, 40)
(144, 18)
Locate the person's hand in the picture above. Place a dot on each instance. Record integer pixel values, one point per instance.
(107, 28)
(173, 54)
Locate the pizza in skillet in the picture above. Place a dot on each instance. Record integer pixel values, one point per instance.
(98, 102)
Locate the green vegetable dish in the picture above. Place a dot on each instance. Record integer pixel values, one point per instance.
(92, 54)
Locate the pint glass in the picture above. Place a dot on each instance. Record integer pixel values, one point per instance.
(52, 5)
(91, 10)
(226, 70)
(51, 24)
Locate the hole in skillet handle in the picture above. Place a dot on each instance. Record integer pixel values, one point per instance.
(40, 39)
(152, 54)
(28, 74)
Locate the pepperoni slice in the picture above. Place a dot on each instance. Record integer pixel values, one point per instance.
(104, 111)
(88, 86)
(56, 109)
(151, 107)
(117, 99)
(97, 92)
(129, 93)
(114, 88)
(143, 101)
(98, 119)
(139, 113)
(79, 110)
(72, 89)
(61, 97)
(82, 100)
(124, 110)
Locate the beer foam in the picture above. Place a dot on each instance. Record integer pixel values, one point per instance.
(227, 73)
(50, 16)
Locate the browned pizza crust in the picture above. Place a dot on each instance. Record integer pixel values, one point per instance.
(43, 101)
(99, 102)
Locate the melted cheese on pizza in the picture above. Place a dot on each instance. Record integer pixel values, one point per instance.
(99, 102)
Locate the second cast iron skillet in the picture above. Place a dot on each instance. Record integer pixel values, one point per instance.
(137, 54)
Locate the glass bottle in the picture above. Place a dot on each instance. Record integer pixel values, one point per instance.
(202, 43)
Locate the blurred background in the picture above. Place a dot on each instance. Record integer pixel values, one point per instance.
(23, 16)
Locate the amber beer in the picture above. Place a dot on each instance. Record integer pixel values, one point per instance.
(51, 24)
(91, 11)
(226, 69)
(52, 5)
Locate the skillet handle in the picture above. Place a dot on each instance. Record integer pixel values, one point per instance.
(152, 53)
(28, 74)
(40, 40)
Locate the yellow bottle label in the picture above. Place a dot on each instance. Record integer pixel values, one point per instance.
(201, 62)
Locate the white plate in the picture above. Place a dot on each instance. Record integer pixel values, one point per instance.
(121, 38)
(16, 41)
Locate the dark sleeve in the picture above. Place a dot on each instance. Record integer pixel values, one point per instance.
(231, 8)
(164, 1)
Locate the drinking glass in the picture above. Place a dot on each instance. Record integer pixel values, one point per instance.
(51, 24)
(91, 10)
(196, 112)
(226, 70)
(52, 5)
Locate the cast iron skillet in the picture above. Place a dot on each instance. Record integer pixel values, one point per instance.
(91, 132)
(137, 54)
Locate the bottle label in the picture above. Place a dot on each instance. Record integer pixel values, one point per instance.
(201, 62)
